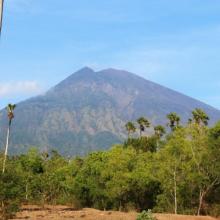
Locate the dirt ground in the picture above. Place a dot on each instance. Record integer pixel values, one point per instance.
(66, 213)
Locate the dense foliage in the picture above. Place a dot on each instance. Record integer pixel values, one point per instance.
(178, 173)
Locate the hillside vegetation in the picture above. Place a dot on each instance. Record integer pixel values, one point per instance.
(176, 173)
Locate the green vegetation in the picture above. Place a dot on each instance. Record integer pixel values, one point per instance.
(146, 215)
(177, 173)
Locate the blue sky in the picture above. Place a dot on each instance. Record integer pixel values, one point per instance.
(174, 43)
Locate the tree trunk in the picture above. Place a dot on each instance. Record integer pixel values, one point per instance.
(201, 197)
(1, 14)
(6, 149)
(26, 192)
(157, 144)
(120, 207)
(175, 194)
(129, 134)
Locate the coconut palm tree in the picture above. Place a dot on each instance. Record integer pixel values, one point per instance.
(130, 128)
(143, 124)
(190, 121)
(10, 110)
(1, 14)
(174, 120)
(200, 117)
(159, 131)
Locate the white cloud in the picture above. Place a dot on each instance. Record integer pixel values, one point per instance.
(19, 88)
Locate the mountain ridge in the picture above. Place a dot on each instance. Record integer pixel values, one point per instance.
(88, 110)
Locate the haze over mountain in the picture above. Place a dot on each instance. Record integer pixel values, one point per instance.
(88, 111)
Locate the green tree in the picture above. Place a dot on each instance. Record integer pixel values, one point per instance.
(173, 162)
(31, 168)
(56, 173)
(118, 175)
(11, 191)
(10, 110)
(130, 128)
(143, 124)
(159, 131)
(174, 120)
(90, 184)
(205, 161)
(200, 117)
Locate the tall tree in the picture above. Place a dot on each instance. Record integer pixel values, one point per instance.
(10, 110)
(174, 120)
(200, 117)
(143, 124)
(159, 131)
(1, 14)
(130, 128)
(205, 157)
(172, 171)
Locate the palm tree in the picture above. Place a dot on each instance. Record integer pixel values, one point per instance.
(159, 131)
(130, 128)
(143, 123)
(1, 14)
(190, 121)
(200, 117)
(174, 120)
(10, 109)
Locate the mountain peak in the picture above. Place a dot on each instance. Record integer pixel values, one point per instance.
(84, 71)
(87, 68)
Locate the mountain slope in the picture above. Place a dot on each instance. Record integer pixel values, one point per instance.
(88, 110)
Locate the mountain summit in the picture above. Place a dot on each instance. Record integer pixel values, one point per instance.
(88, 110)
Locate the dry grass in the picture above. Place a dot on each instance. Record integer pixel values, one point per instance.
(66, 213)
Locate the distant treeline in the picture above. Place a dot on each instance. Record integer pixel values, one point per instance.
(178, 172)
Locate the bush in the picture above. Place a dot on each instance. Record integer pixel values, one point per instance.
(215, 210)
(146, 216)
(11, 193)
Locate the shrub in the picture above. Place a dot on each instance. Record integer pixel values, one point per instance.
(215, 210)
(146, 216)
